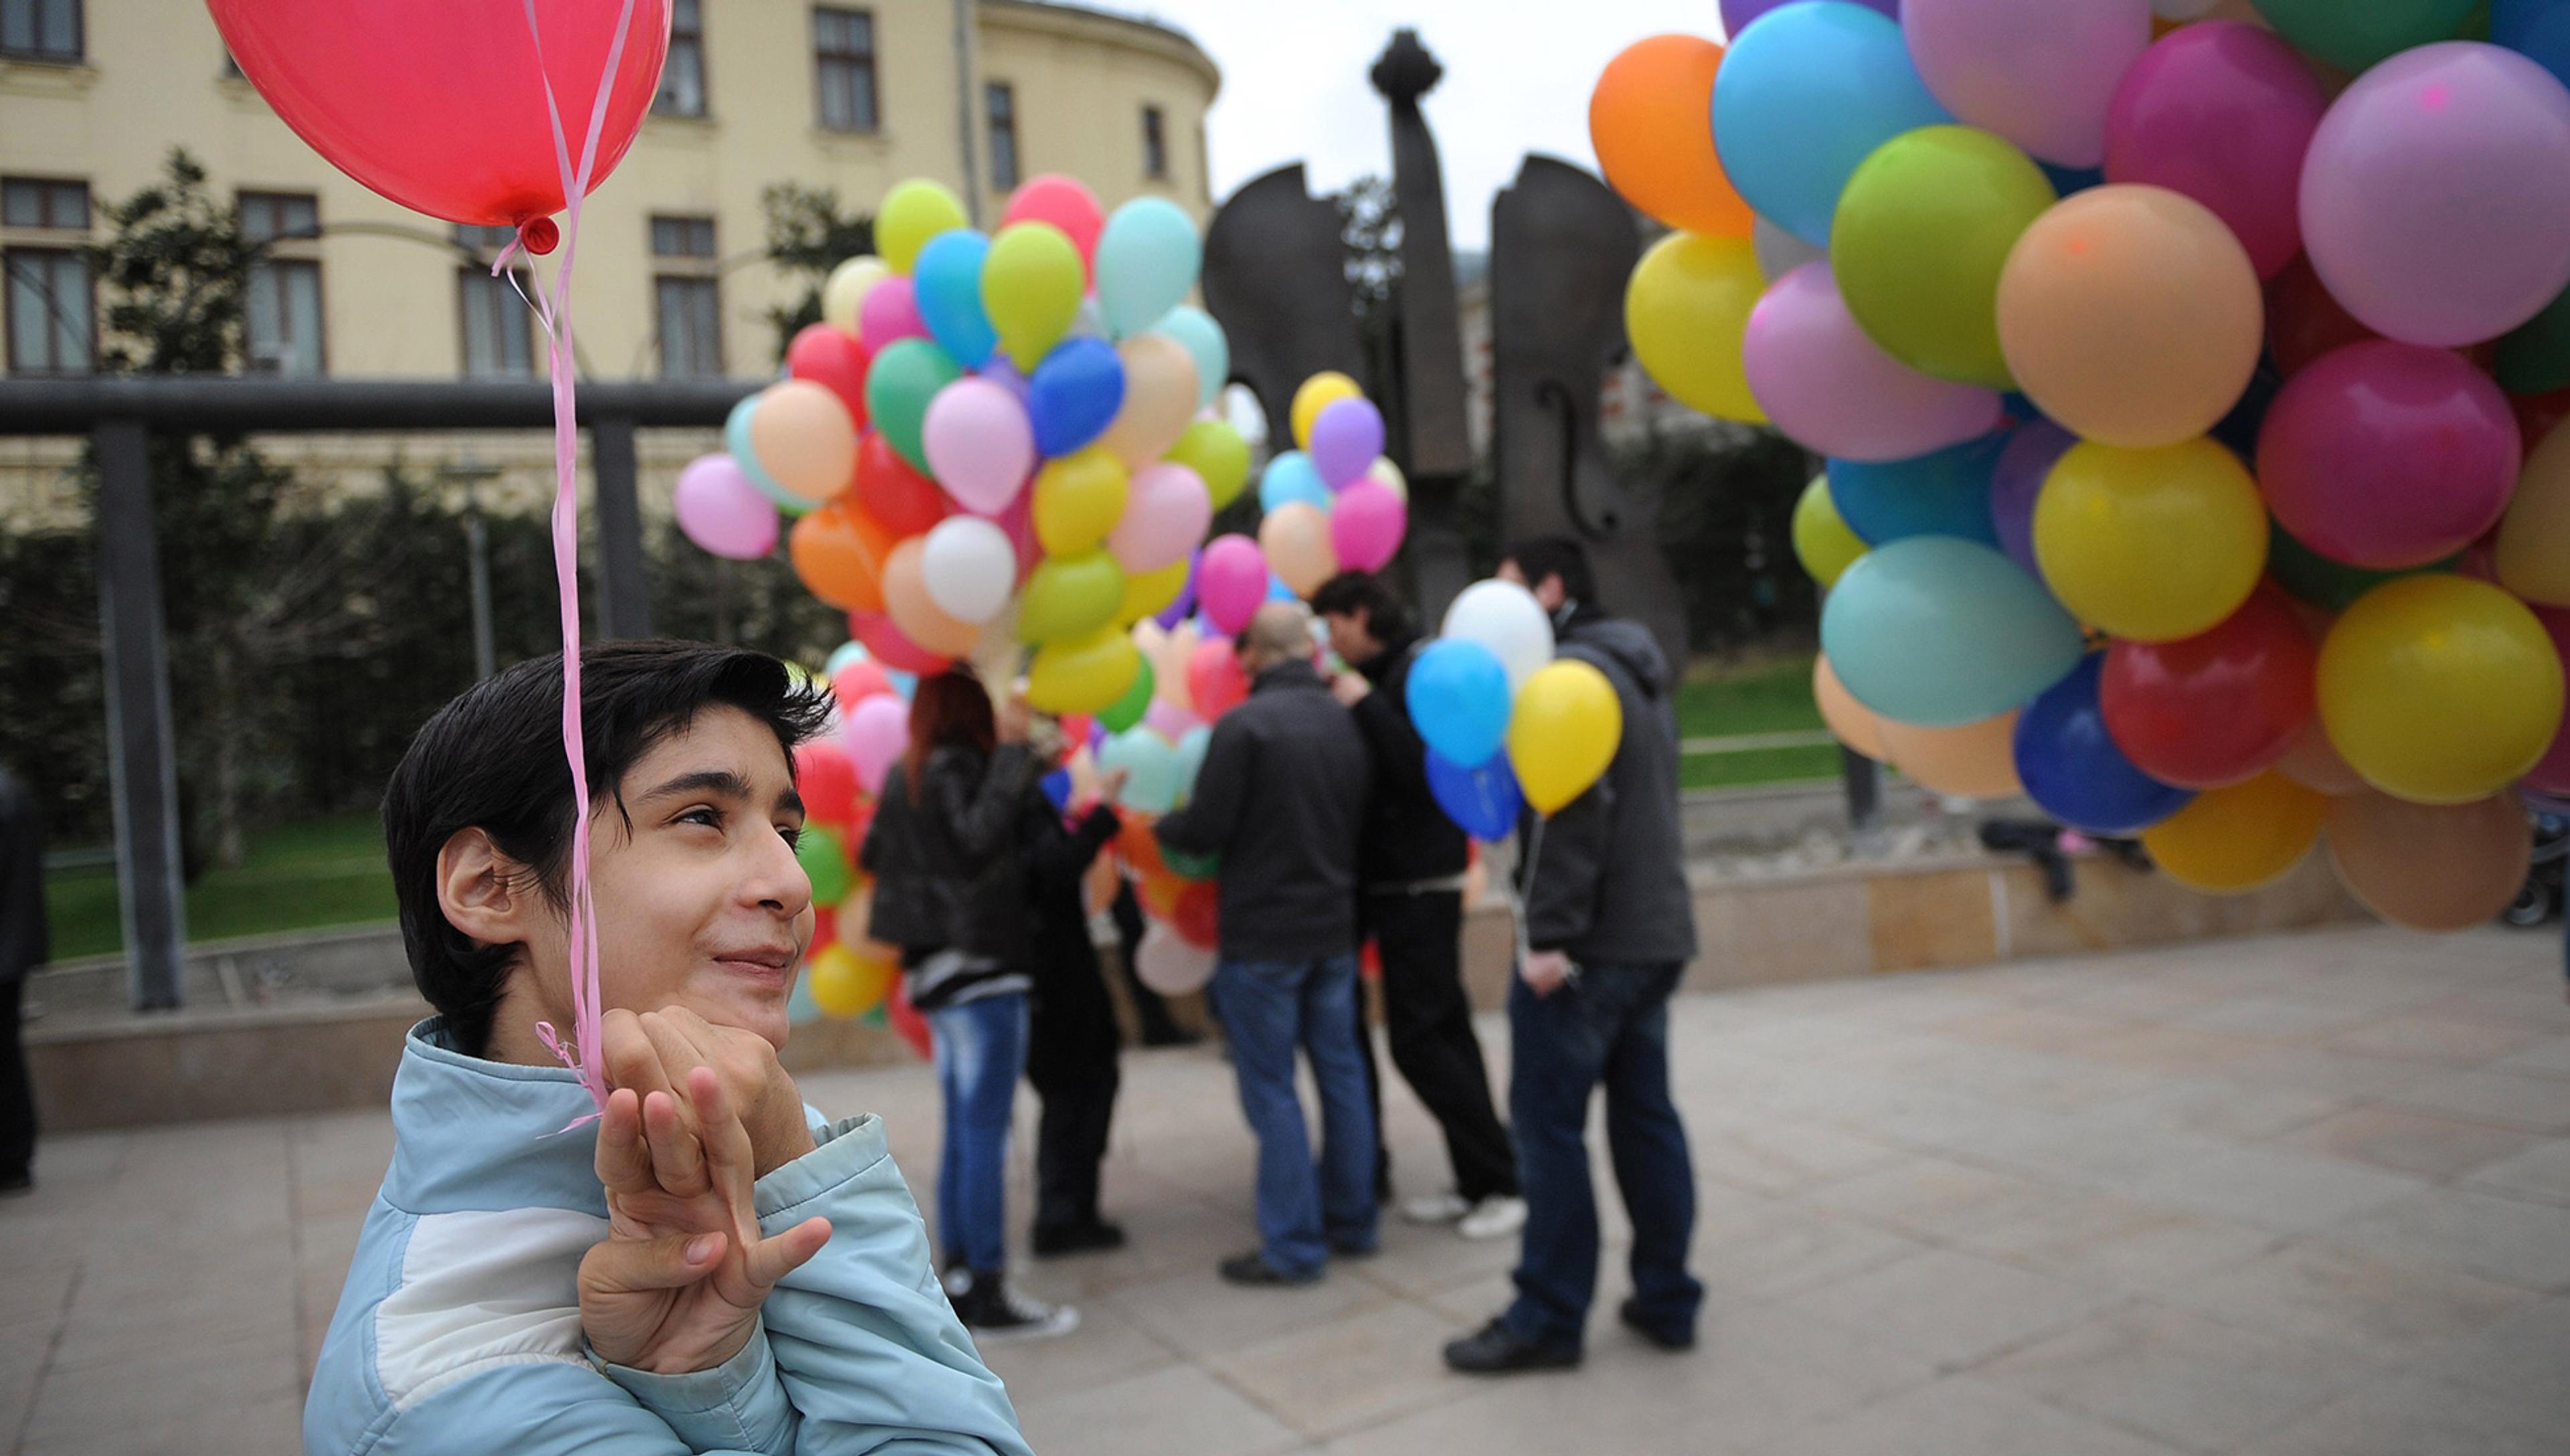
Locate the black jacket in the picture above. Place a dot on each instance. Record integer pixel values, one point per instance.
(1282, 798)
(1072, 1035)
(1607, 880)
(948, 862)
(1407, 838)
(23, 943)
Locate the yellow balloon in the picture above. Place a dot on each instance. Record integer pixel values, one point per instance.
(1159, 399)
(845, 292)
(1316, 394)
(1563, 732)
(1031, 287)
(913, 213)
(2534, 556)
(1070, 597)
(2151, 545)
(1822, 540)
(1686, 309)
(2230, 839)
(1218, 456)
(1083, 674)
(1295, 538)
(1974, 761)
(1150, 591)
(1079, 499)
(845, 983)
(1857, 726)
(2440, 689)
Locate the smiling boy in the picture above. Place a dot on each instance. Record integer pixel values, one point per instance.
(700, 1269)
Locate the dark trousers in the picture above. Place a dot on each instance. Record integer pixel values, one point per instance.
(1149, 1006)
(17, 1094)
(1070, 1059)
(1429, 1022)
(1610, 1027)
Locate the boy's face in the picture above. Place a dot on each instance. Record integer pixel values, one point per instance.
(700, 904)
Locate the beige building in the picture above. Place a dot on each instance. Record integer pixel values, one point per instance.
(673, 279)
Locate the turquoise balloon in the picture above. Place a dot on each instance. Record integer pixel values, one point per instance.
(1807, 93)
(1292, 477)
(1938, 632)
(1150, 765)
(1147, 260)
(736, 441)
(1204, 339)
(899, 385)
(1191, 755)
(947, 285)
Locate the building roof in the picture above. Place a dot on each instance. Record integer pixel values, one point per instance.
(1171, 37)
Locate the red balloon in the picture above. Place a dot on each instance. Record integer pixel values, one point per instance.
(439, 104)
(826, 778)
(826, 931)
(1066, 204)
(858, 681)
(890, 647)
(906, 502)
(831, 359)
(2388, 456)
(1197, 917)
(1214, 678)
(906, 1020)
(2215, 709)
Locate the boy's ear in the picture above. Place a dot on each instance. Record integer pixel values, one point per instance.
(483, 891)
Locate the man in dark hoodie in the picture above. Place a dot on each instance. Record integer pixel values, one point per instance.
(1412, 876)
(1609, 927)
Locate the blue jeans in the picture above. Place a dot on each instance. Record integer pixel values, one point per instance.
(981, 1052)
(1268, 1008)
(1610, 1026)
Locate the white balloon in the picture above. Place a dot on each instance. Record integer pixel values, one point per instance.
(1505, 617)
(1171, 966)
(1779, 252)
(968, 567)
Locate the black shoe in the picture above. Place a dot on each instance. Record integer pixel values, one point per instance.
(1253, 1269)
(993, 1312)
(1090, 1238)
(14, 1184)
(1355, 1251)
(1499, 1350)
(1631, 1313)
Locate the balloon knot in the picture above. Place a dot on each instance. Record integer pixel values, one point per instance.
(539, 236)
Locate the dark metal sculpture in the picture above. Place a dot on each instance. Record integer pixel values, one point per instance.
(1275, 278)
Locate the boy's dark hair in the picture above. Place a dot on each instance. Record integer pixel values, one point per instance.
(1349, 593)
(1540, 556)
(493, 758)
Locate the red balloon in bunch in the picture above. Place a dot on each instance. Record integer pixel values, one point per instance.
(2388, 456)
(826, 931)
(1214, 678)
(858, 681)
(831, 359)
(440, 105)
(1066, 204)
(826, 780)
(2215, 709)
(1197, 917)
(890, 647)
(906, 1020)
(906, 502)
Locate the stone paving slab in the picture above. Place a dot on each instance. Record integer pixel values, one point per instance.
(2307, 1196)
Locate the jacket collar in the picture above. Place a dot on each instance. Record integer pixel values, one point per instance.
(472, 1134)
(1294, 672)
(1396, 650)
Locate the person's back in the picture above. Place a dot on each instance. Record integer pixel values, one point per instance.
(22, 949)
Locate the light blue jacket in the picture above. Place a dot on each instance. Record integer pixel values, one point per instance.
(459, 1327)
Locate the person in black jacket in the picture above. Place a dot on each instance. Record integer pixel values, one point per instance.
(1281, 797)
(22, 949)
(1610, 926)
(948, 852)
(1073, 1039)
(1412, 873)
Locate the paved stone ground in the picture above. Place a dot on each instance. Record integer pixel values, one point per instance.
(2299, 1197)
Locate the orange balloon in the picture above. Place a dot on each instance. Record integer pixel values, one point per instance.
(1140, 847)
(906, 602)
(2430, 867)
(804, 438)
(1857, 726)
(1159, 399)
(1974, 761)
(1295, 537)
(2314, 763)
(1651, 121)
(1159, 894)
(839, 552)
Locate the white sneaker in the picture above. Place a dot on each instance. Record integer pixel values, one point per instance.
(1437, 1208)
(1495, 1217)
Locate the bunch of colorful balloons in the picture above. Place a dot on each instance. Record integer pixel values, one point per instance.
(839, 776)
(2187, 383)
(991, 442)
(1507, 724)
(1335, 503)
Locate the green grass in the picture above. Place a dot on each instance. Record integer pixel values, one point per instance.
(296, 876)
(1753, 766)
(1769, 696)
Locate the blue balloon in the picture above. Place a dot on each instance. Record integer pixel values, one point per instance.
(736, 441)
(1939, 632)
(947, 284)
(1484, 802)
(1206, 342)
(1458, 700)
(2536, 29)
(1277, 590)
(1074, 395)
(2072, 769)
(1147, 260)
(2068, 180)
(1057, 788)
(906, 684)
(1807, 93)
(1944, 493)
(1292, 477)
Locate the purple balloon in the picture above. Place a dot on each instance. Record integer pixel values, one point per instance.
(2223, 113)
(1176, 611)
(1736, 14)
(1347, 438)
(2017, 479)
(721, 510)
(1824, 381)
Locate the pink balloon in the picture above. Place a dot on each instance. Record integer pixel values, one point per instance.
(978, 444)
(722, 511)
(1168, 719)
(1166, 512)
(1066, 204)
(1835, 392)
(2386, 454)
(1347, 437)
(1365, 525)
(1214, 679)
(2552, 774)
(889, 311)
(2431, 200)
(2223, 111)
(1231, 580)
(2037, 72)
(878, 733)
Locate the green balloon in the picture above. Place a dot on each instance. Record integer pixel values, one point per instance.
(2354, 34)
(2535, 359)
(899, 385)
(1127, 710)
(2328, 584)
(1218, 456)
(1921, 233)
(825, 863)
(1188, 866)
(1070, 597)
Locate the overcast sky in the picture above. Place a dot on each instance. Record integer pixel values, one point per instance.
(1517, 77)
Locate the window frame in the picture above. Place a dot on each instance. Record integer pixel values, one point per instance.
(1000, 121)
(856, 63)
(1155, 144)
(694, 37)
(472, 281)
(52, 190)
(11, 256)
(712, 287)
(40, 54)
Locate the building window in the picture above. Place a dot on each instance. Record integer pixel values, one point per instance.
(52, 313)
(683, 76)
(498, 328)
(40, 30)
(1155, 145)
(687, 300)
(60, 206)
(843, 57)
(284, 305)
(1000, 101)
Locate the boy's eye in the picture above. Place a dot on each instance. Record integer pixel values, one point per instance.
(792, 834)
(711, 818)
